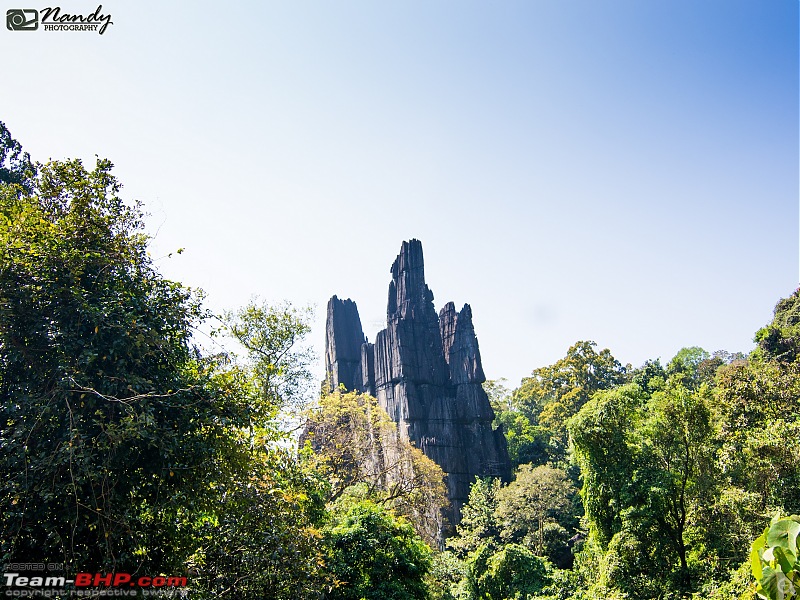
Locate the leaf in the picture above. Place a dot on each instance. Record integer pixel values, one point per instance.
(783, 534)
(776, 584)
(755, 555)
(785, 560)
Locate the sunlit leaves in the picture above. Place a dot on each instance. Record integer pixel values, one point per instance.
(774, 559)
(553, 394)
(276, 356)
(355, 442)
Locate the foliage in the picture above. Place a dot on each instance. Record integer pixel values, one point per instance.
(448, 577)
(650, 376)
(736, 586)
(499, 395)
(648, 470)
(16, 167)
(693, 366)
(374, 555)
(123, 447)
(677, 467)
(102, 392)
(774, 559)
(758, 410)
(264, 541)
(552, 395)
(528, 513)
(355, 441)
(263, 538)
(534, 509)
(687, 360)
(677, 463)
(527, 443)
(603, 438)
(272, 336)
(780, 340)
(510, 573)
(479, 523)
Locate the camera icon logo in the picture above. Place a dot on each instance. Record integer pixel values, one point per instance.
(22, 19)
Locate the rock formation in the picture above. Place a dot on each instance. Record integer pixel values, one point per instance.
(425, 370)
(343, 340)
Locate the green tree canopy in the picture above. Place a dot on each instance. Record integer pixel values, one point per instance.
(479, 523)
(780, 340)
(603, 437)
(15, 165)
(123, 448)
(101, 390)
(649, 481)
(272, 337)
(551, 396)
(535, 510)
(374, 555)
(511, 572)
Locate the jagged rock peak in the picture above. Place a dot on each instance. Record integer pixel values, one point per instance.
(447, 328)
(409, 296)
(343, 340)
(461, 351)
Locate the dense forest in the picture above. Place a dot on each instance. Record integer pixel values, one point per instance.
(129, 446)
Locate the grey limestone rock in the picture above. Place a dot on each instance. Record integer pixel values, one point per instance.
(425, 370)
(343, 341)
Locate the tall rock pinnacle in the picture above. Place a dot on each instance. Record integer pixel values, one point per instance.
(343, 340)
(425, 370)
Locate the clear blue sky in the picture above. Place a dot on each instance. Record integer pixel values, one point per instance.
(620, 171)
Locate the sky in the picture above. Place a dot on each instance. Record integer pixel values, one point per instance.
(610, 170)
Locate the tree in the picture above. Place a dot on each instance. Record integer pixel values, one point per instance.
(123, 447)
(602, 434)
(15, 165)
(780, 340)
(374, 555)
(448, 577)
(102, 392)
(694, 366)
(272, 337)
(527, 443)
(553, 394)
(479, 524)
(499, 395)
(650, 376)
(649, 483)
(512, 572)
(677, 463)
(265, 539)
(534, 509)
(758, 410)
(356, 442)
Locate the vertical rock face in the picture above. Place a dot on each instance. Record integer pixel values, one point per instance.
(343, 341)
(425, 370)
